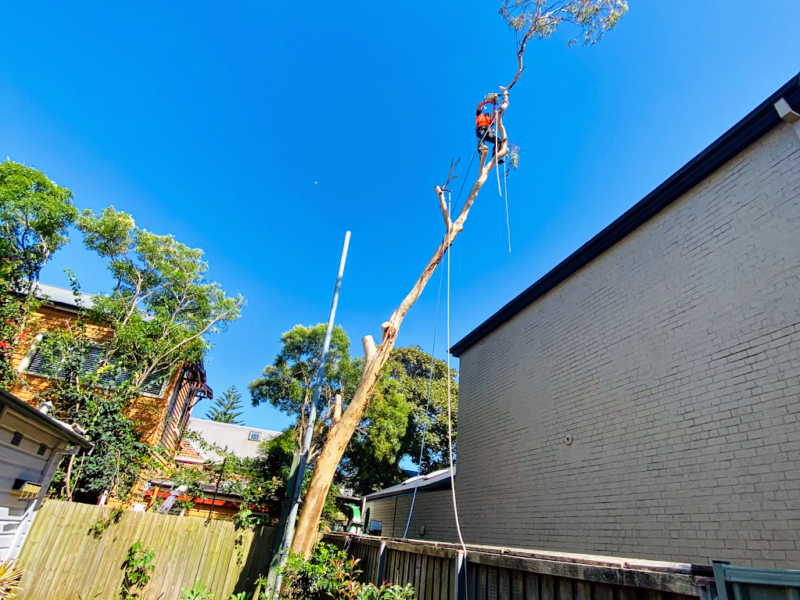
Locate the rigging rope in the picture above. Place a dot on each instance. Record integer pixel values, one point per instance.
(428, 404)
(508, 225)
(450, 420)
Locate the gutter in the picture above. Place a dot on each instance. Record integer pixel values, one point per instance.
(741, 136)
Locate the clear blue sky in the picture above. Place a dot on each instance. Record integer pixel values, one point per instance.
(260, 132)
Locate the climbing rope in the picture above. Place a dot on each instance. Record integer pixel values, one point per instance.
(450, 423)
(505, 195)
(428, 404)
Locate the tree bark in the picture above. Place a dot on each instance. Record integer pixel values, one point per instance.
(375, 359)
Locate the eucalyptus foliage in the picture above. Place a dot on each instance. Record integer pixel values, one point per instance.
(542, 18)
(287, 384)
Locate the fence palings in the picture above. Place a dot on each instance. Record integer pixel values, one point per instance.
(63, 560)
(512, 574)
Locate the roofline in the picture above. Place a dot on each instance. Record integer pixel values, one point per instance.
(741, 136)
(234, 425)
(49, 423)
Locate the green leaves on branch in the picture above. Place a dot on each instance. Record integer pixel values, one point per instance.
(542, 18)
(162, 306)
(35, 213)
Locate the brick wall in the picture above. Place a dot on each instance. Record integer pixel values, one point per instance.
(433, 510)
(673, 363)
(149, 412)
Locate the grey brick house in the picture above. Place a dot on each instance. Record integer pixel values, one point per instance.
(642, 398)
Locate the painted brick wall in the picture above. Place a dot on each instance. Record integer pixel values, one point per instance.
(673, 361)
(433, 510)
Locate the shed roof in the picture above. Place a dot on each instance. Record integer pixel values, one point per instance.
(62, 296)
(54, 426)
(429, 482)
(741, 136)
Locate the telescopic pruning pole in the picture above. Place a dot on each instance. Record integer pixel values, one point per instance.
(274, 578)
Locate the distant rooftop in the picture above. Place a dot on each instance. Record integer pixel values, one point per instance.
(240, 440)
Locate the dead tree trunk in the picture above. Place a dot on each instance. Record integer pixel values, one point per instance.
(376, 357)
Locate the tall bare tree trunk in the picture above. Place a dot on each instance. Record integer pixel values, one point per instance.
(375, 359)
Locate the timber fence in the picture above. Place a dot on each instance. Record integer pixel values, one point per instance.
(437, 571)
(65, 558)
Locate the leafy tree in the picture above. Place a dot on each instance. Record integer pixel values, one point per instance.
(162, 306)
(286, 384)
(225, 407)
(528, 19)
(34, 216)
(394, 422)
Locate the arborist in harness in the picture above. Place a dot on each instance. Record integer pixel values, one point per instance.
(484, 122)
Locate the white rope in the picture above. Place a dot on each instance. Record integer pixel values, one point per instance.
(497, 156)
(427, 405)
(508, 225)
(450, 420)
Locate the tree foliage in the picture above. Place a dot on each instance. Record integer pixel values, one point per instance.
(35, 214)
(163, 306)
(287, 384)
(395, 422)
(542, 18)
(226, 407)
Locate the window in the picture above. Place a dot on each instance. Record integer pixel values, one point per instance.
(17, 439)
(254, 437)
(48, 365)
(375, 527)
(42, 449)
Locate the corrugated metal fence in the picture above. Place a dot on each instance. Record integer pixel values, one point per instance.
(63, 560)
(510, 574)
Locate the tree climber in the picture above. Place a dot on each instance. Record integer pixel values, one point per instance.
(483, 124)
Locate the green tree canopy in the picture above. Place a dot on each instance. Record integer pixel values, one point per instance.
(286, 384)
(35, 213)
(394, 422)
(226, 408)
(163, 306)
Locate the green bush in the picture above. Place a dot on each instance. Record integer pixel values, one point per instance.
(330, 575)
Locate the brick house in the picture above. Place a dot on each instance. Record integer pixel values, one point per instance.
(642, 398)
(166, 403)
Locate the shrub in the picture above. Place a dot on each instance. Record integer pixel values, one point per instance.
(330, 575)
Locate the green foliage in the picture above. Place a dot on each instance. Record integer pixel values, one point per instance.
(198, 592)
(138, 568)
(162, 306)
(34, 216)
(98, 528)
(395, 419)
(542, 18)
(330, 575)
(226, 406)
(85, 397)
(287, 383)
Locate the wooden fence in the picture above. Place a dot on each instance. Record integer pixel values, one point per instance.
(509, 574)
(63, 560)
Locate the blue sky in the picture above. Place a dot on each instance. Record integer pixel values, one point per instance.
(261, 132)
